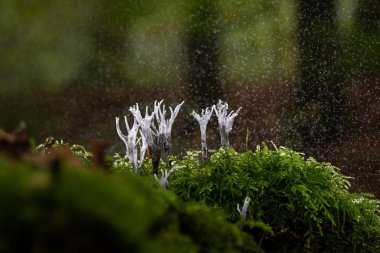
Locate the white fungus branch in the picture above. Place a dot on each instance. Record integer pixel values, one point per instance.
(243, 212)
(131, 143)
(225, 121)
(165, 125)
(150, 134)
(203, 120)
(158, 138)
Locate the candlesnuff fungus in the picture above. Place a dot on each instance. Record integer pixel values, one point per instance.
(203, 120)
(131, 143)
(225, 121)
(164, 180)
(152, 140)
(165, 125)
(158, 140)
(243, 212)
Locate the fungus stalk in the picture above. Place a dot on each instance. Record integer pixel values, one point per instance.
(149, 135)
(203, 120)
(131, 143)
(165, 126)
(158, 139)
(243, 211)
(225, 121)
(143, 148)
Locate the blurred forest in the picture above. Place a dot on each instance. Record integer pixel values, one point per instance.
(305, 72)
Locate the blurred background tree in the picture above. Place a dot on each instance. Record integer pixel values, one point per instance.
(322, 106)
(103, 72)
(367, 19)
(368, 15)
(203, 50)
(305, 72)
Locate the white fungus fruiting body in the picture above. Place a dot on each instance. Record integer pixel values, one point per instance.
(165, 125)
(158, 138)
(131, 143)
(203, 120)
(243, 212)
(225, 121)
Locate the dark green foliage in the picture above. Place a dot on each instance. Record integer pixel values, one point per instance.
(297, 205)
(80, 210)
(210, 230)
(305, 202)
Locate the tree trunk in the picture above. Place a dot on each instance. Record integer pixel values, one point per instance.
(368, 15)
(320, 97)
(202, 41)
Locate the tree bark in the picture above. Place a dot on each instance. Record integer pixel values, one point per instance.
(368, 15)
(320, 97)
(202, 42)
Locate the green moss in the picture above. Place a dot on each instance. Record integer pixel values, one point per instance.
(306, 203)
(81, 210)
